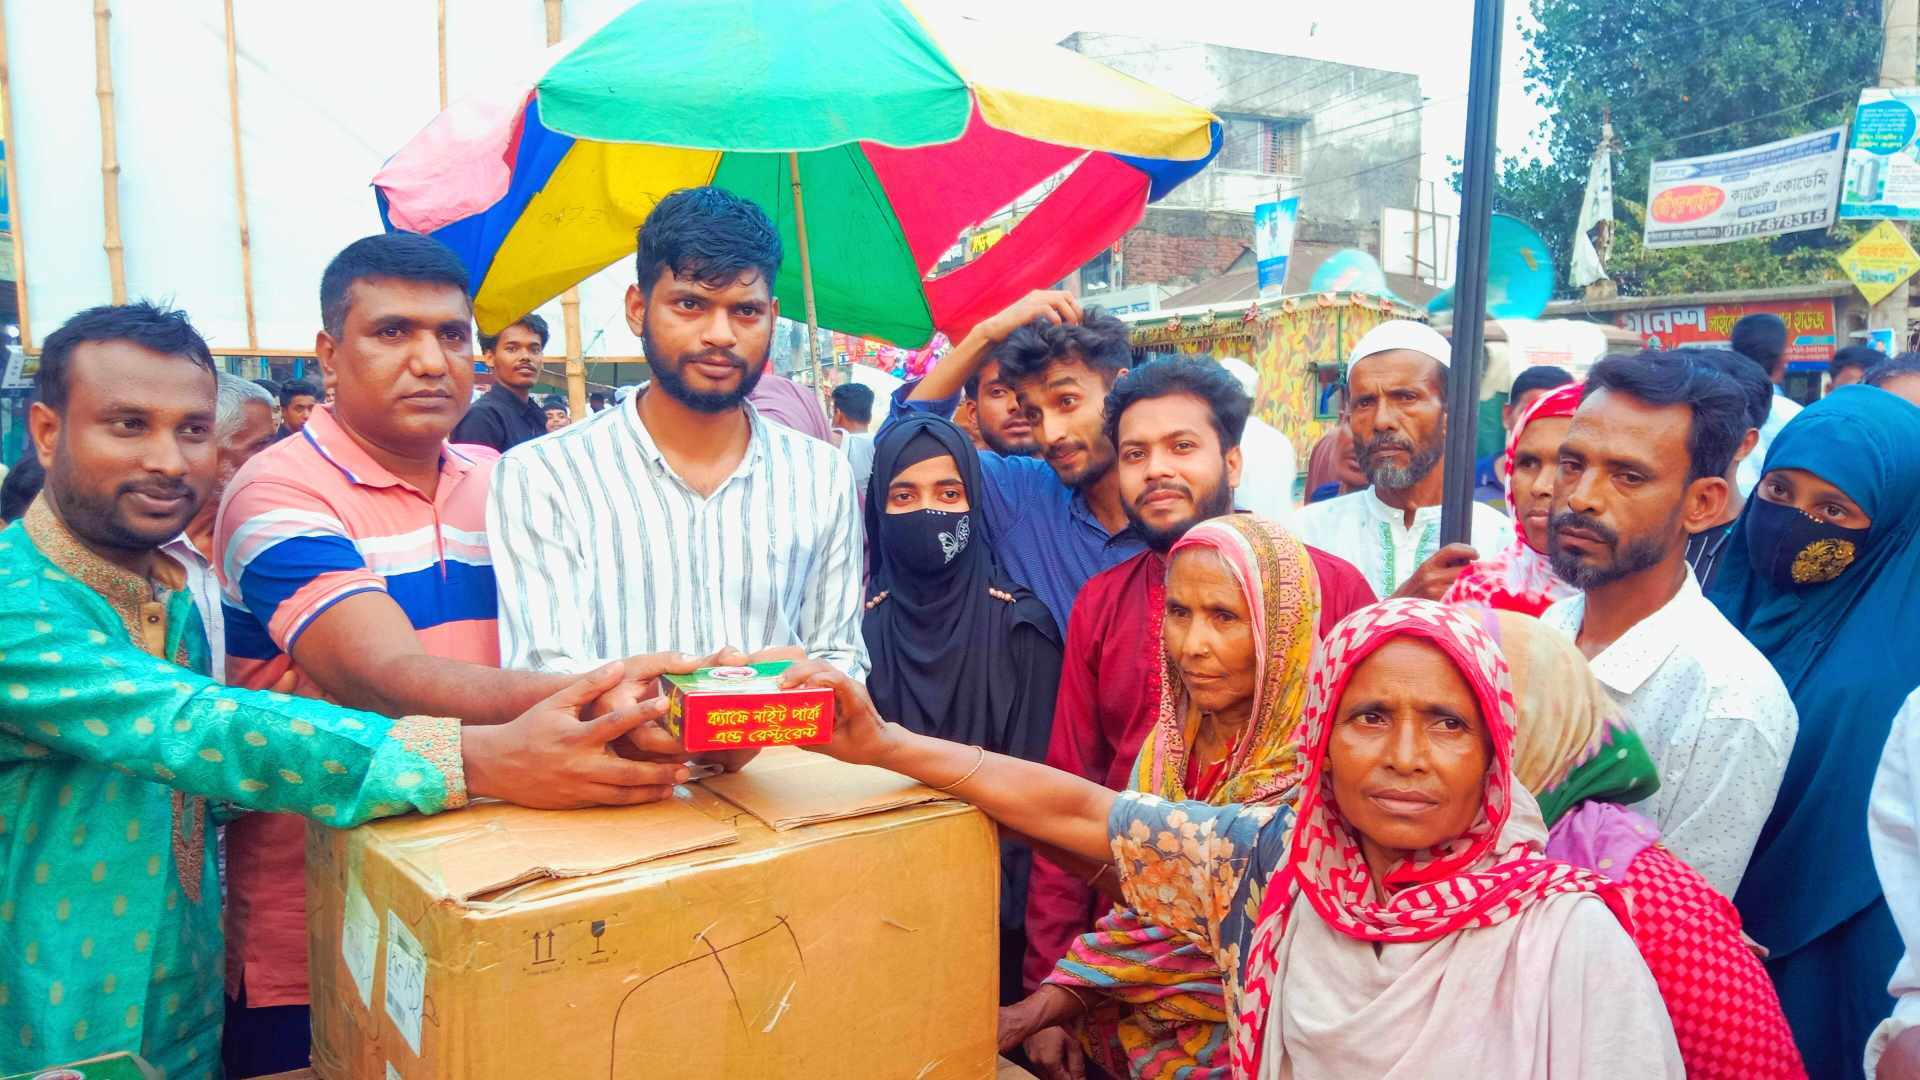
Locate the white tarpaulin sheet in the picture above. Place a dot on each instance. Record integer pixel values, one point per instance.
(327, 92)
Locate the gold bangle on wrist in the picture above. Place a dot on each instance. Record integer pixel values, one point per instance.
(977, 762)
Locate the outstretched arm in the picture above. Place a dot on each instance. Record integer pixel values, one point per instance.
(947, 377)
(1052, 807)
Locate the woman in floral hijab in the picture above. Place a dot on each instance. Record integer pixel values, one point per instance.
(1243, 610)
(1435, 937)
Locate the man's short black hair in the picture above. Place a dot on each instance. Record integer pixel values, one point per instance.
(597, 395)
(155, 328)
(294, 388)
(271, 386)
(1539, 377)
(854, 401)
(1197, 376)
(1907, 363)
(1753, 384)
(402, 255)
(1855, 356)
(555, 401)
(532, 322)
(1099, 341)
(1674, 378)
(709, 235)
(1761, 338)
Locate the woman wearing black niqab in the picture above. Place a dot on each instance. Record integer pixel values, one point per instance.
(959, 650)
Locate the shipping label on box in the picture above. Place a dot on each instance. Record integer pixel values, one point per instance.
(743, 708)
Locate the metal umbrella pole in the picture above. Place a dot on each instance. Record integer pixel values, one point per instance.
(1470, 278)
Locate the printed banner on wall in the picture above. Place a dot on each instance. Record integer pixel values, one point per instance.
(1810, 325)
(1273, 242)
(1781, 187)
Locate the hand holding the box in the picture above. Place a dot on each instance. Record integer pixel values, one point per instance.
(860, 735)
(549, 759)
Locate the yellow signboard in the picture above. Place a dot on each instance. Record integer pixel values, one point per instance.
(1880, 262)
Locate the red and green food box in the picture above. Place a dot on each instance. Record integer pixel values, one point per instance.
(743, 708)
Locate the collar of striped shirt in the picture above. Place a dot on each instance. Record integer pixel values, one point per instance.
(326, 435)
(756, 435)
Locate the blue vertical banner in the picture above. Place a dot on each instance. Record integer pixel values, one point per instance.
(1273, 242)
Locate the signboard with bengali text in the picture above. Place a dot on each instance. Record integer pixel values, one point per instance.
(1810, 325)
(1781, 187)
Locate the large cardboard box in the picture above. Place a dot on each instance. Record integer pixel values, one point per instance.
(848, 930)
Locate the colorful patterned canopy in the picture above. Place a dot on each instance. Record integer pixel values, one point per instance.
(908, 132)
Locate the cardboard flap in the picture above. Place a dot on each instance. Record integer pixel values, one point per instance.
(493, 846)
(787, 788)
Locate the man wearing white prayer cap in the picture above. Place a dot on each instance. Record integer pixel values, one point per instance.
(1397, 410)
(1267, 460)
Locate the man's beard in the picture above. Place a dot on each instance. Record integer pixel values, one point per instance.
(668, 375)
(1641, 553)
(1398, 477)
(95, 518)
(1215, 503)
(1100, 458)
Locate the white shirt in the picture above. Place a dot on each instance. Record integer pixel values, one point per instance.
(1715, 718)
(601, 551)
(858, 446)
(1893, 828)
(205, 587)
(1783, 411)
(1266, 472)
(1374, 537)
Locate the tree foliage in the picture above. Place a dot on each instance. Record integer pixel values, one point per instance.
(1685, 77)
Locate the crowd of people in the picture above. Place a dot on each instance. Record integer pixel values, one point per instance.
(1625, 786)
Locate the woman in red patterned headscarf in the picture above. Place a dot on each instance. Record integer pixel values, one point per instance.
(1518, 578)
(1408, 924)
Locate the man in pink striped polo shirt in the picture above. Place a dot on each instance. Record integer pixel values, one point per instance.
(354, 560)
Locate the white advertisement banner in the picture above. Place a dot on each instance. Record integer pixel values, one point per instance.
(1781, 187)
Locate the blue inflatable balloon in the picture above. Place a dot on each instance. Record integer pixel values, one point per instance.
(1519, 273)
(1350, 270)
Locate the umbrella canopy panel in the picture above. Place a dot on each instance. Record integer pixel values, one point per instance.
(906, 137)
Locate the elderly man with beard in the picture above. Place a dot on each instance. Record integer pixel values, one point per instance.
(1643, 468)
(683, 519)
(1177, 426)
(1397, 410)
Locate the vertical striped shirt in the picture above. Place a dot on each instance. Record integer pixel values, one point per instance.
(601, 551)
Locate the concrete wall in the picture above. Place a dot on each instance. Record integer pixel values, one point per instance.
(1360, 143)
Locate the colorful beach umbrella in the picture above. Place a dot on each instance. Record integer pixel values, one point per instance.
(907, 132)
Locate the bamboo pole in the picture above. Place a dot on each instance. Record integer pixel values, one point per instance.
(441, 16)
(806, 284)
(240, 182)
(13, 188)
(109, 155)
(570, 300)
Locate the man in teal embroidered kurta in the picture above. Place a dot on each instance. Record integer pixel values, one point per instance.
(113, 740)
(110, 910)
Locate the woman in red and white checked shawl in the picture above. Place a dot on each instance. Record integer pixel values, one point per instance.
(1466, 953)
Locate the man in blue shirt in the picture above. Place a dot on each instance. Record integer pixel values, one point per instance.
(1058, 517)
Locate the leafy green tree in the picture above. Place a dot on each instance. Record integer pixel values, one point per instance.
(1685, 77)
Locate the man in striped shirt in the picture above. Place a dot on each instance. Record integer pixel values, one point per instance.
(682, 519)
(356, 567)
